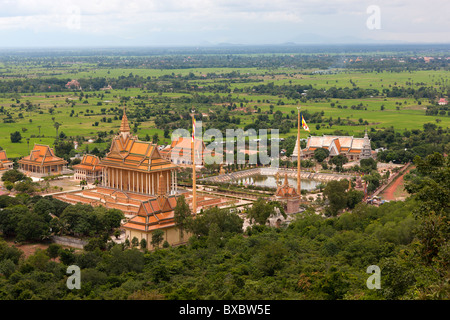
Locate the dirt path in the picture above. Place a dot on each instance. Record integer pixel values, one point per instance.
(28, 249)
(394, 191)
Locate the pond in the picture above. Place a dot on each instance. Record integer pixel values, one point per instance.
(271, 181)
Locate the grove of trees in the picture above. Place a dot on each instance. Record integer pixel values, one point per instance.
(314, 257)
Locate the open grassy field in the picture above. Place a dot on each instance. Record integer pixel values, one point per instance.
(37, 125)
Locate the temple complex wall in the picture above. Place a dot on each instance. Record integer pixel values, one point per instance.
(171, 235)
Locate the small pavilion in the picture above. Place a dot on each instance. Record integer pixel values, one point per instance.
(42, 161)
(89, 169)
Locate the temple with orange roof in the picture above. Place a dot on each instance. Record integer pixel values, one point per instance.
(89, 169)
(135, 166)
(180, 151)
(42, 161)
(353, 148)
(5, 163)
(140, 182)
(156, 213)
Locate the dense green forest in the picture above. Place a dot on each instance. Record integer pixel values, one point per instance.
(314, 257)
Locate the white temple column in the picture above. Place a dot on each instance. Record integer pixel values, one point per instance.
(138, 183)
(152, 182)
(157, 184)
(168, 183)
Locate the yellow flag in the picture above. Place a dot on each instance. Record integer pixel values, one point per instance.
(304, 125)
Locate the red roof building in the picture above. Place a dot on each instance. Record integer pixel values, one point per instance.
(134, 165)
(73, 84)
(42, 161)
(155, 214)
(349, 146)
(5, 163)
(442, 102)
(136, 180)
(89, 169)
(180, 151)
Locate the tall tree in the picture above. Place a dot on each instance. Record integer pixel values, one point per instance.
(57, 125)
(15, 137)
(321, 154)
(182, 215)
(262, 209)
(431, 188)
(157, 238)
(335, 193)
(339, 161)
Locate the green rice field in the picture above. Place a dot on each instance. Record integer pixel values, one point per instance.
(38, 124)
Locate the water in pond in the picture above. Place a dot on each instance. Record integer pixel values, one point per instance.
(271, 181)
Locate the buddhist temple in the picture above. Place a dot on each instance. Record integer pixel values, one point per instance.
(135, 180)
(288, 196)
(180, 151)
(135, 166)
(352, 148)
(5, 163)
(156, 213)
(89, 169)
(42, 161)
(140, 182)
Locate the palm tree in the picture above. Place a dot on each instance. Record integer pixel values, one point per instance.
(57, 125)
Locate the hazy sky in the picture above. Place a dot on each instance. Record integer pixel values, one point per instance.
(203, 22)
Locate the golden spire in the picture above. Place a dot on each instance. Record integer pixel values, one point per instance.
(124, 126)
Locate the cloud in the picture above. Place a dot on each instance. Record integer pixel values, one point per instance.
(231, 19)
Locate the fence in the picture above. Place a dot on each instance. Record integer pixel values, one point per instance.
(70, 242)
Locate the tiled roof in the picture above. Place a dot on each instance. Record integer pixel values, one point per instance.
(4, 160)
(154, 214)
(285, 190)
(342, 143)
(358, 143)
(42, 154)
(3, 156)
(89, 162)
(135, 155)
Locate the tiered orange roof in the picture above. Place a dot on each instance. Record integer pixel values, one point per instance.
(127, 152)
(285, 190)
(42, 155)
(4, 161)
(184, 144)
(89, 162)
(343, 144)
(156, 213)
